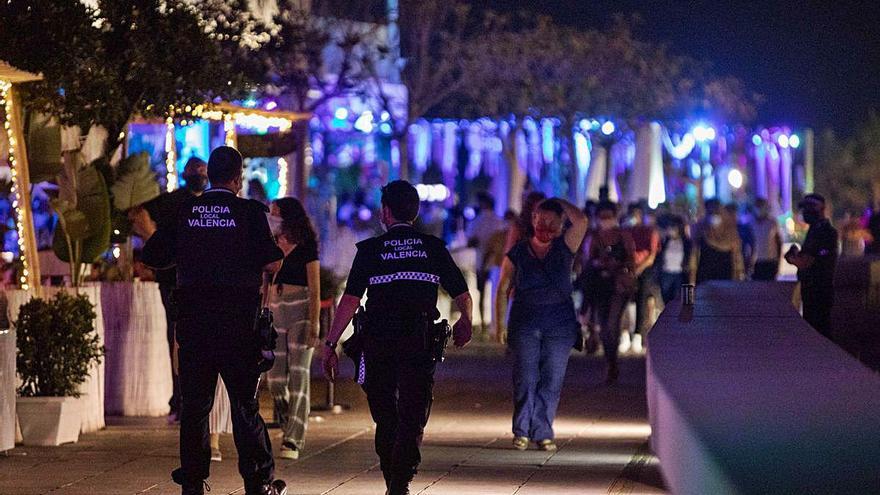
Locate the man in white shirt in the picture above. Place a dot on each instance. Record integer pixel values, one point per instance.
(479, 233)
(768, 242)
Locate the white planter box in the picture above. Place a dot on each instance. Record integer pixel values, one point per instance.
(49, 421)
(92, 390)
(8, 382)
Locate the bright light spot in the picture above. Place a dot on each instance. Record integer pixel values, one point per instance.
(794, 141)
(364, 123)
(384, 116)
(432, 192)
(585, 125)
(703, 133)
(7, 256)
(341, 113)
(782, 140)
(365, 214)
(250, 103)
(695, 170)
(756, 140)
(271, 105)
(790, 225)
(735, 179)
(469, 213)
(282, 177)
(608, 128)
(117, 252)
(385, 127)
(115, 231)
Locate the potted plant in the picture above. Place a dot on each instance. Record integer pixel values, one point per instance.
(57, 345)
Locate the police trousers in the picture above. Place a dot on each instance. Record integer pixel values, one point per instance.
(399, 385)
(211, 346)
(818, 302)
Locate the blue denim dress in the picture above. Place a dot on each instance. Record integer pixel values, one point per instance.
(542, 329)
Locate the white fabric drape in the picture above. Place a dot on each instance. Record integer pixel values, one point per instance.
(138, 365)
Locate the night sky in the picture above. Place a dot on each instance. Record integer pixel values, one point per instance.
(818, 63)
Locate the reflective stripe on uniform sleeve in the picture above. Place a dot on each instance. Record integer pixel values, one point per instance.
(417, 276)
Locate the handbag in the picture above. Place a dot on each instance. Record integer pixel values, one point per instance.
(264, 329)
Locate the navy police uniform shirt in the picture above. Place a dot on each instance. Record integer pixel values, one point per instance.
(400, 271)
(219, 244)
(821, 244)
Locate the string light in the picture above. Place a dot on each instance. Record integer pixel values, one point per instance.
(7, 104)
(282, 177)
(170, 156)
(229, 128)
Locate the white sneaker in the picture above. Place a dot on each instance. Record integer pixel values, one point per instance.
(637, 344)
(625, 343)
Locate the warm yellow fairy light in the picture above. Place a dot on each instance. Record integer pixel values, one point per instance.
(6, 103)
(229, 128)
(282, 177)
(170, 156)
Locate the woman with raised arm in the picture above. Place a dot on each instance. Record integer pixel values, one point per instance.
(543, 326)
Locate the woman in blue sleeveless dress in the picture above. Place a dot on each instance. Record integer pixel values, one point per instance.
(542, 325)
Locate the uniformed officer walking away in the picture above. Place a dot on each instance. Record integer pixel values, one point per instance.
(221, 245)
(400, 271)
(816, 263)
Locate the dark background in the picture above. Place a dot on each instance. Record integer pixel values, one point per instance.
(817, 63)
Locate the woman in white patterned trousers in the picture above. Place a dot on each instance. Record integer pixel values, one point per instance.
(294, 298)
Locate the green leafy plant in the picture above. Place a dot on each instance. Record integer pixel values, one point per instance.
(57, 343)
(83, 207)
(135, 182)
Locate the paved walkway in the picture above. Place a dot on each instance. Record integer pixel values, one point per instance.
(601, 431)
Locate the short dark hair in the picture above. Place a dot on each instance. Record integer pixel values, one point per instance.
(552, 205)
(606, 206)
(812, 198)
(484, 198)
(224, 165)
(402, 199)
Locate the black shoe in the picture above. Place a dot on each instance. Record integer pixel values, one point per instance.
(189, 488)
(613, 374)
(277, 487)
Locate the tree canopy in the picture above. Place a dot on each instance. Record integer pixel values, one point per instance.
(101, 65)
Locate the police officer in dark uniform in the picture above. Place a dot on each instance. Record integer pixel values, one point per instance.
(816, 263)
(400, 271)
(221, 245)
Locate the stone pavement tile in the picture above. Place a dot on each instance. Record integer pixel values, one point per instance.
(480, 480)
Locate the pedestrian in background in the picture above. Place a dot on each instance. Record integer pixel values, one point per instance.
(480, 233)
(610, 281)
(542, 326)
(768, 243)
(674, 258)
(295, 301)
(816, 263)
(717, 246)
(163, 212)
(646, 239)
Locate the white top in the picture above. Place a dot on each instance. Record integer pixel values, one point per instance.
(673, 256)
(766, 232)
